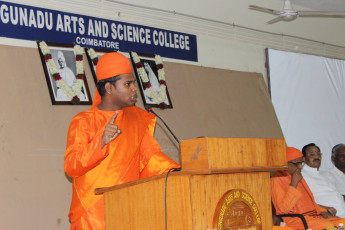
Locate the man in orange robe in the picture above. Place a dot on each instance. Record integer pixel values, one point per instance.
(111, 143)
(291, 194)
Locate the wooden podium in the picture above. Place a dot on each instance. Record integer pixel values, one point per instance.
(211, 168)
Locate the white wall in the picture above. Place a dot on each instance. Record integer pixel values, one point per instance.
(221, 43)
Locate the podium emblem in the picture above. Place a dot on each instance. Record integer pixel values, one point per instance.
(237, 210)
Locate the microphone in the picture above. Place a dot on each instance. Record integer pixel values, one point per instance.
(149, 109)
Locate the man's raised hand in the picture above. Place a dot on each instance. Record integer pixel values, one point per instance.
(111, 131)
(296, 177)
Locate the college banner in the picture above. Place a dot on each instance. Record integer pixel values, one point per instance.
(33, 23)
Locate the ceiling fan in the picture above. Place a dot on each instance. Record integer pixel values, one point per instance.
(288, 13)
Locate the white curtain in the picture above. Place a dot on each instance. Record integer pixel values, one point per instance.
(308, 94)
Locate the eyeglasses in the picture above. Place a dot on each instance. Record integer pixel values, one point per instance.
(314, 154)
(297, 163)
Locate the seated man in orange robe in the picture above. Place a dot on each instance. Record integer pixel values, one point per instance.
(111, 143)
(291, 194)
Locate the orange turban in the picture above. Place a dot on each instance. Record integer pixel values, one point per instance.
(110, 65)
(292, 153)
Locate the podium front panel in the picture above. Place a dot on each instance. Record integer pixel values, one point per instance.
(191, 201)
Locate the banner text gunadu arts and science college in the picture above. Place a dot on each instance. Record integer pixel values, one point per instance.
(32, 23)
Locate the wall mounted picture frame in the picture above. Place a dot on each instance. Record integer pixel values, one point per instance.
(150, 76)
(93, 56)
(64, 72)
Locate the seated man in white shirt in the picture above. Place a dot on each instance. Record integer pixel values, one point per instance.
(336, 175)
(325, 193)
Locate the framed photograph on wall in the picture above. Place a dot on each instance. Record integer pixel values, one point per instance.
(150, 75)
(64, 70)
(93, 57)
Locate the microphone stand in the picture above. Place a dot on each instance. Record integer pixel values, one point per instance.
(149, 109)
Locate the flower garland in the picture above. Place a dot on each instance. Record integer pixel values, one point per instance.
(158, 98)
(331, 228)
(93, 55)
(73, 94)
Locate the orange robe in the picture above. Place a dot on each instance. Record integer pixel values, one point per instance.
(300, 200)
(134, 154)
